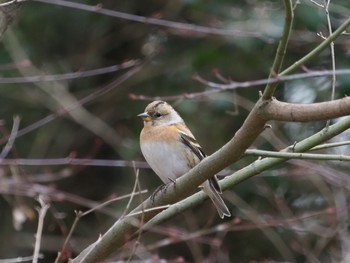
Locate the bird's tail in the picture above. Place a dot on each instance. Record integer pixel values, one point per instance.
(215, 197)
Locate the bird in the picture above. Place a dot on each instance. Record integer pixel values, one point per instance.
(171, 150)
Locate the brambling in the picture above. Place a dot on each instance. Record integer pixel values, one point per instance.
(171, 150)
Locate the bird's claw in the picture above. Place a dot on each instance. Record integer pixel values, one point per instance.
(162, 188)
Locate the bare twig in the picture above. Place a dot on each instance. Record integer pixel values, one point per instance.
(281, 49)
(317, 4)
(130, 196)
(334, 79)
(73, 161)
(245, 84)
(80, 214)
(70, 76)
(190, 28)
(73, 104)
(233, 85)
(330, 145)
(340, 30)
(42, 212)
(156, 208)
(5, 151)
(291, 155)
(136, 186)
(11, 187)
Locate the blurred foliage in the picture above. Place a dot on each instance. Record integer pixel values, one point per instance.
(60, 40)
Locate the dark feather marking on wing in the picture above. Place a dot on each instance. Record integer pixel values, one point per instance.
(191, 142)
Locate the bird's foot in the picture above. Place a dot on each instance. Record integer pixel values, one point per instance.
(162, 188)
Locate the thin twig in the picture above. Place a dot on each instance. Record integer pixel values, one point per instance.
(330, 145)
(80, 214)
(109, 87)
(154, 21)
(292, 155)
(136, 186)
(317, 4)
(130, 196)
(296, 65)
(161, 207)
(334, 79)
(73, 161)
(42, 212)
(281, 49)
(71, 75)
(5, 151)
(245, 84)
(219, 87)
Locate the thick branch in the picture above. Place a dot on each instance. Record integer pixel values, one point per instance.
(282, 111)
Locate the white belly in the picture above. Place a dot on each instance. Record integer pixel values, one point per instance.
(165, 160)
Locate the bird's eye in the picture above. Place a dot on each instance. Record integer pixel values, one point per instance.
(157, 115)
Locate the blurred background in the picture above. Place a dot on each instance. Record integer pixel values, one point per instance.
(296, 212)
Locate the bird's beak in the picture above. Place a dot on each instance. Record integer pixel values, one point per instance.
(145, 116)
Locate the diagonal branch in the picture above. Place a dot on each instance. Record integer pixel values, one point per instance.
(255, 168)
(185, 186)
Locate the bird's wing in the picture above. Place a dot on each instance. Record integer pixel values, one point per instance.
(192, 143)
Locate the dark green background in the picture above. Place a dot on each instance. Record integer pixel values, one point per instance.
(59, 40)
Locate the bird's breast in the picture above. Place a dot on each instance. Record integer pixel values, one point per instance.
(168, 161)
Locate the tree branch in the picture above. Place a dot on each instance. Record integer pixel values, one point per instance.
(270, 88)
(317, 50)
(255, 168)
(71, 75)
(294, 155)
(271, 80)
(281, 50)
(282, 111)
(190, 28)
